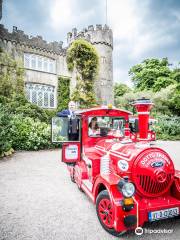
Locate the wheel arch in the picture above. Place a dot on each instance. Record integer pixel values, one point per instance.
(100, 184)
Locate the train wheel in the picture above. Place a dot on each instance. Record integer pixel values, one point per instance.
(105, 213)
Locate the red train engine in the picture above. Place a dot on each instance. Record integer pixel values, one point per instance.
(111, 157)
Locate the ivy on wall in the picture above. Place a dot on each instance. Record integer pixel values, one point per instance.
(83, 57)
(63, 93)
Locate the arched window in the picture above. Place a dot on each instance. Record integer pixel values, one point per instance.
(41, 95)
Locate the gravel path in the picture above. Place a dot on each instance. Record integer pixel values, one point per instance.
(38, 201)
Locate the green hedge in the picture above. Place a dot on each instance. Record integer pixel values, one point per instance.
(21, 132)
(167, 127)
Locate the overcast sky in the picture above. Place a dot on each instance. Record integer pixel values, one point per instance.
(141, 28)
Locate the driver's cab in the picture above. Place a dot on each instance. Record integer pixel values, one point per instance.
(86, 129)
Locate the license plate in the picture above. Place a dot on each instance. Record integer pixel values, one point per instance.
(162, 214)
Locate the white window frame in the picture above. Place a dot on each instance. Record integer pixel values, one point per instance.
(31, 87)
(29, 57)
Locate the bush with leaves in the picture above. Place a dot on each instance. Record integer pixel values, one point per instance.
(167, 127)
(29, 134)
(5, 131)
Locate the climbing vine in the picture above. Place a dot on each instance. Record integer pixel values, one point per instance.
(63, 93)
(83, 58)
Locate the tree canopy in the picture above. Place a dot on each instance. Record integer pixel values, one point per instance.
(153, 74)
(83, 58)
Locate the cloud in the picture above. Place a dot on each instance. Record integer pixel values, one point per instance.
(124, 19)
(67, 14)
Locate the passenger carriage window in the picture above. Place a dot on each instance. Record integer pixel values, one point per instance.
(106, 126)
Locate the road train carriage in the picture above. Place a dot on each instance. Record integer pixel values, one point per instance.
(118, 166)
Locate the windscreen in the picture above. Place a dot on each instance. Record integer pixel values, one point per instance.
(106, 126)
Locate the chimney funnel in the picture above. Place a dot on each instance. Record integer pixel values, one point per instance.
(143, 107)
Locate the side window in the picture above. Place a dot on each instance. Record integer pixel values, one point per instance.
(64, 129)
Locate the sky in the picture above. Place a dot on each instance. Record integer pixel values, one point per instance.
(141, 28)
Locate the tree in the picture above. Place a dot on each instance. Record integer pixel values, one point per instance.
(119, 90)
(152, 74)
(176, 74)
(83, 57)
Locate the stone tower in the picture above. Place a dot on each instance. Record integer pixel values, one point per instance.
(102, 39)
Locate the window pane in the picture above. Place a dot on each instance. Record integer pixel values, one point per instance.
(33, 62)
(51, 100)
(26, 60)
(34, 97)
(51, 67)
(45, 65)
(40, 63)
(45, 99)
(40, 99)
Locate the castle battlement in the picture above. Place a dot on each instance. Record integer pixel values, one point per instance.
(98, 34)
(18, 36)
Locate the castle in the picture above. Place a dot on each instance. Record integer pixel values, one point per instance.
(45, 62)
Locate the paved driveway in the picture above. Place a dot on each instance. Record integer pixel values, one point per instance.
(38, 201)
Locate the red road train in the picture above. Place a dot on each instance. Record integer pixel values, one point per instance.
(128, 178)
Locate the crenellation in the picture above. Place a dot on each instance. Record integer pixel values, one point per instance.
(35, 42)
(96, 35)
(98, 27)
(106, 27)
(90, 28)
(74, 32)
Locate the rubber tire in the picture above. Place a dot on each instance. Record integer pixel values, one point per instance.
(104, 194)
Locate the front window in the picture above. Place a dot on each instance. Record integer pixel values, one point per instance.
(41, 95)
(106, 126)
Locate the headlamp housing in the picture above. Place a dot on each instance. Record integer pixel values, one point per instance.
(127, 188)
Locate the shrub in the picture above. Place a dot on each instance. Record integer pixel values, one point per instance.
(30, 134)
(168, 127)
(5, 131)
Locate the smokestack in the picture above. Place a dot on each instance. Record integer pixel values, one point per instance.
(143, 107)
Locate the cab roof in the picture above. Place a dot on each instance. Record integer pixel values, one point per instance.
(102, 111)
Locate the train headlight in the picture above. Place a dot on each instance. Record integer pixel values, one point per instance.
(128, 189)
